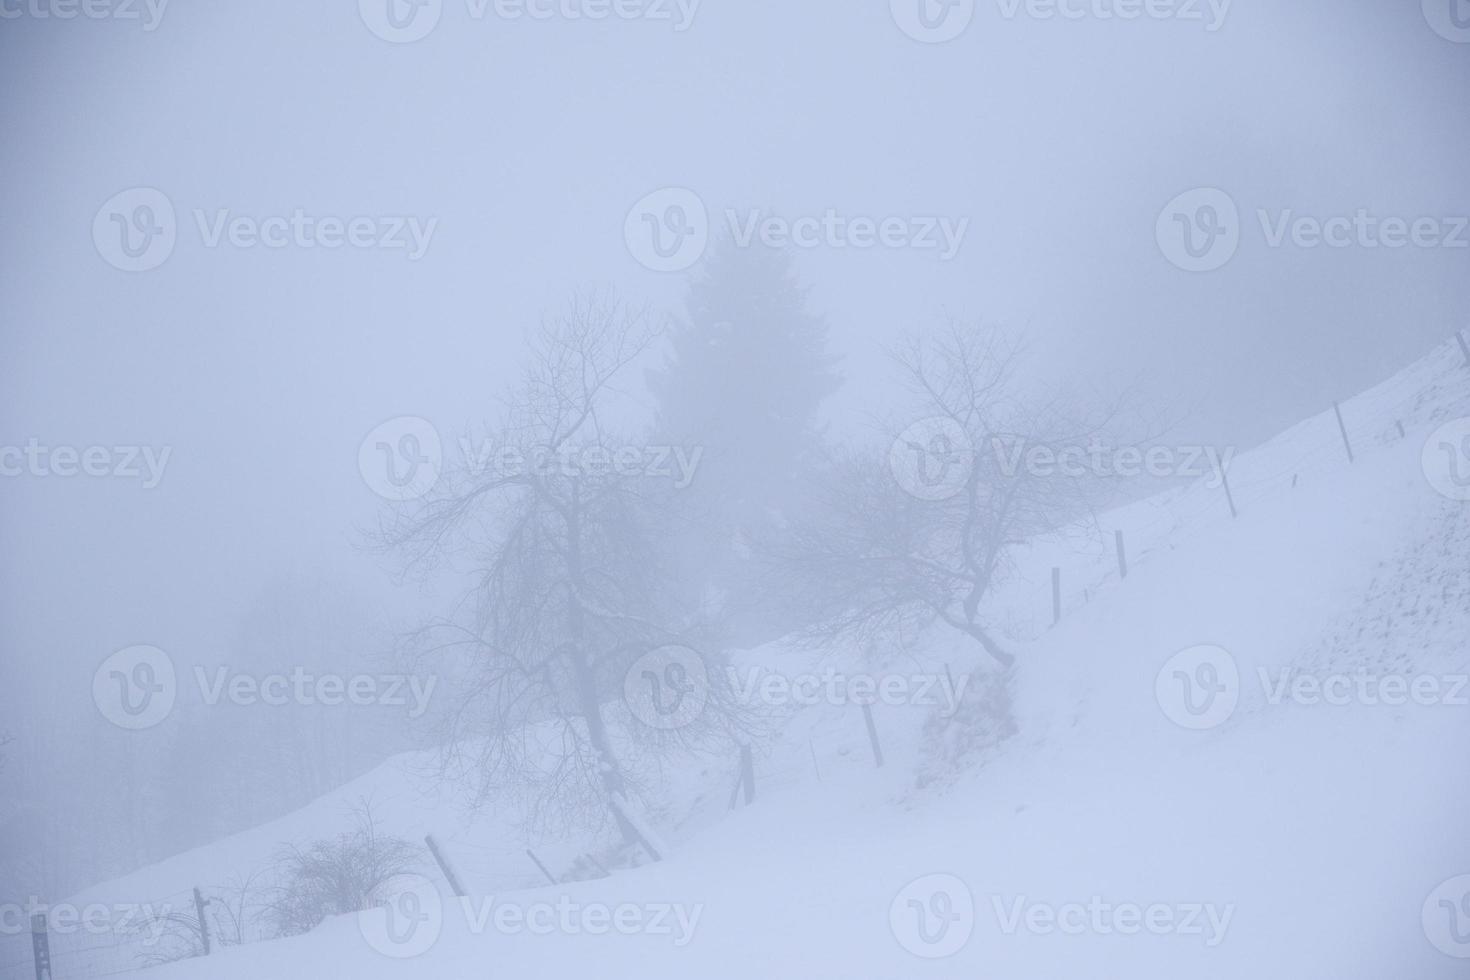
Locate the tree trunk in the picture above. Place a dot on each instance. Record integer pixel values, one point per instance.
(1005, 659)
(589, 700)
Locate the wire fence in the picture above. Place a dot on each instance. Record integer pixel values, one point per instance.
(836, 743)
(1404, 409)
(99, 939)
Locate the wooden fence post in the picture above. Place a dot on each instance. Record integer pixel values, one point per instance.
(41, 947)
(747, 773)
(444, 867)
(1122, 555)
(873, 735)
(745, 779)
(1056, 596)
(1460, 336)
(1224, 482)
(640, 829)
(532, 855)
(1342, 427)
(203, 922)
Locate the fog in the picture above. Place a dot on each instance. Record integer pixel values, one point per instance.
(521, 162)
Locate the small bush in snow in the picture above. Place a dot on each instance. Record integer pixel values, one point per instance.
(334, 877)
(954, 742)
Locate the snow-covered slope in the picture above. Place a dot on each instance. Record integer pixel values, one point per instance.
(1133, 827)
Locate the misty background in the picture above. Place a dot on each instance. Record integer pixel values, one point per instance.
(529, 141)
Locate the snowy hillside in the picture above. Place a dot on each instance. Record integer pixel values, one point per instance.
(1229, 763)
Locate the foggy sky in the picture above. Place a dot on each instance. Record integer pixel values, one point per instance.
(529, 141)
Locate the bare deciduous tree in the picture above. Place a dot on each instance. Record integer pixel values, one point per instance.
(925, 531)
(564, 535)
